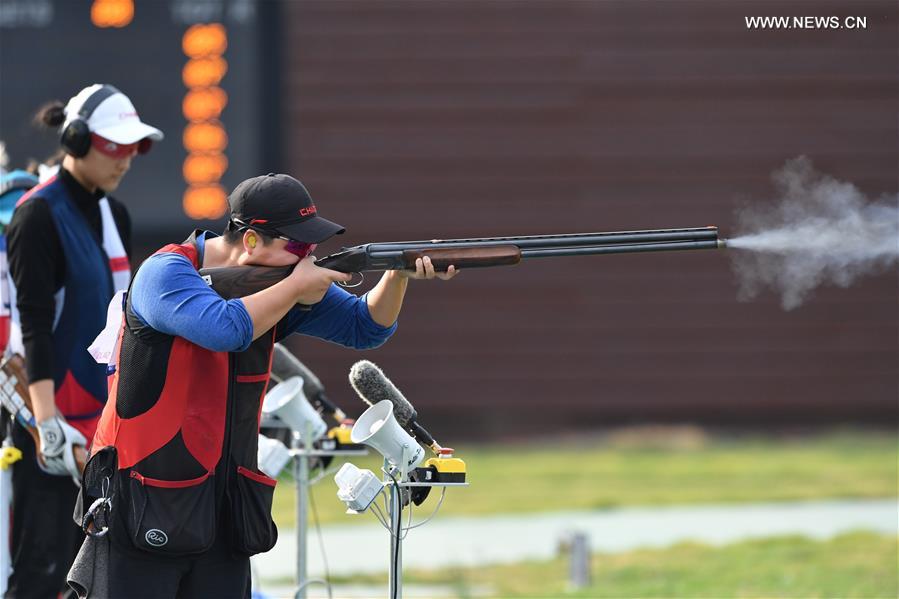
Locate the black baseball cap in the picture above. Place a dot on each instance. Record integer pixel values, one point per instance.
(280, 204)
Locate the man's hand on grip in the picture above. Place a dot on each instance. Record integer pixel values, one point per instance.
(311, 282)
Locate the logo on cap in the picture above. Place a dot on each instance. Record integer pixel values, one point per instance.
(310, 211)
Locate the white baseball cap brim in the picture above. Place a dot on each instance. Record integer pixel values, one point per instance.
(115, 118)
(129, 133)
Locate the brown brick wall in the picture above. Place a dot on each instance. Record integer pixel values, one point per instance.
(413, 120)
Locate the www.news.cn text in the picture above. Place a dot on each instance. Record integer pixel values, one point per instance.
(806, 22)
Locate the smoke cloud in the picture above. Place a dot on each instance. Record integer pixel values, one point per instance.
(822, 231)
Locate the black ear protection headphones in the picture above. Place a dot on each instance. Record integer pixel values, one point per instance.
(76, 136)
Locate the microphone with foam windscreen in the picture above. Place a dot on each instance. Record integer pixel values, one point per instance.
(373, 386)
(286, 365)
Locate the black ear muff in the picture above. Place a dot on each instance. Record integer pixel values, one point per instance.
(76, 136)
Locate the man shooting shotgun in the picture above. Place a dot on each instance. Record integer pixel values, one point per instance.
(175, 453)
(472, 253)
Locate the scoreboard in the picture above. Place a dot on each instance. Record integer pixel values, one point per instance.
(200, 70)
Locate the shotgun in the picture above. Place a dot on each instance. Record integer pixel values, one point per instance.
(239, 281)
(16, 399)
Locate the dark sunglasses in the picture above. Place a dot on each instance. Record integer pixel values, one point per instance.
(297, 248)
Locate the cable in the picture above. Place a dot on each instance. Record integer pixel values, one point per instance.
(386, 497)
(323, 474)
(321, 544)
(376, 510)
(434, 513)
(380, 516)
(396, 544)
(409, 523)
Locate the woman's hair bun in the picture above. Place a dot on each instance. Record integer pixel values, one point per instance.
(51, 115)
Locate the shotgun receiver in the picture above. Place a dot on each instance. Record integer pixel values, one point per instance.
(239, 281)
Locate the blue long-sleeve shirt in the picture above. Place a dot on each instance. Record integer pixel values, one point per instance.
(169, 295)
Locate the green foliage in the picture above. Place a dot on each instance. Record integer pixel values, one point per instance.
(652, 468)
(851, 565)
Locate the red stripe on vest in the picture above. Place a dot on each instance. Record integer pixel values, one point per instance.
(27, 195)
(119, 264)
(168, 484)
(259, 478)
(252, 378)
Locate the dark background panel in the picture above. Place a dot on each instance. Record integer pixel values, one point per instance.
(413, 120)
(50, 50)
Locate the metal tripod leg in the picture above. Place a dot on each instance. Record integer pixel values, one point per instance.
(396, 543)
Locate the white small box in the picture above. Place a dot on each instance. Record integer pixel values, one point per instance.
(356, 488)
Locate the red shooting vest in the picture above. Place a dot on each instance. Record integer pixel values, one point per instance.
(179, 414)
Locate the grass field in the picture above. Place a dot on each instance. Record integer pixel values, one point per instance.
(851, 565)
(647, 467)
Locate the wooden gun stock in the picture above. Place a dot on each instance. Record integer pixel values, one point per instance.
(240, 281)
(462, 258)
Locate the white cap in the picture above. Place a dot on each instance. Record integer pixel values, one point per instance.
(115, 118)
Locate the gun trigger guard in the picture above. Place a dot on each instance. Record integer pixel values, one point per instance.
(350, 284)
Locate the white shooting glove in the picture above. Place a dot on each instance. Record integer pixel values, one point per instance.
(57, 455)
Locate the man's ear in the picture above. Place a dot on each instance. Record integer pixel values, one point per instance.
(250, 240)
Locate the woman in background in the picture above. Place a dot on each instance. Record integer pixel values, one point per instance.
(68, 246)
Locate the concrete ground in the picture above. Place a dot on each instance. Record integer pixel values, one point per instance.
(362, 545)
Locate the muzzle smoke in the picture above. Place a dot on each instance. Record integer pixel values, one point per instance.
(822, 231)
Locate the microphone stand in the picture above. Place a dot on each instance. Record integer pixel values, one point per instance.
(302, 452)
(395, 498)
(301, 478)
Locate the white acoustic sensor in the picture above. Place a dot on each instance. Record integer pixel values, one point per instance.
(288, 403)
(378, 429)
(272, 456)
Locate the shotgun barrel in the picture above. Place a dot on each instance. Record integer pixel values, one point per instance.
(566, 239)
(496, 251)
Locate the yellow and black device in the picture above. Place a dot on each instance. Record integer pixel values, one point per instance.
(444, 468)
(447, 469)
(337, 438)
